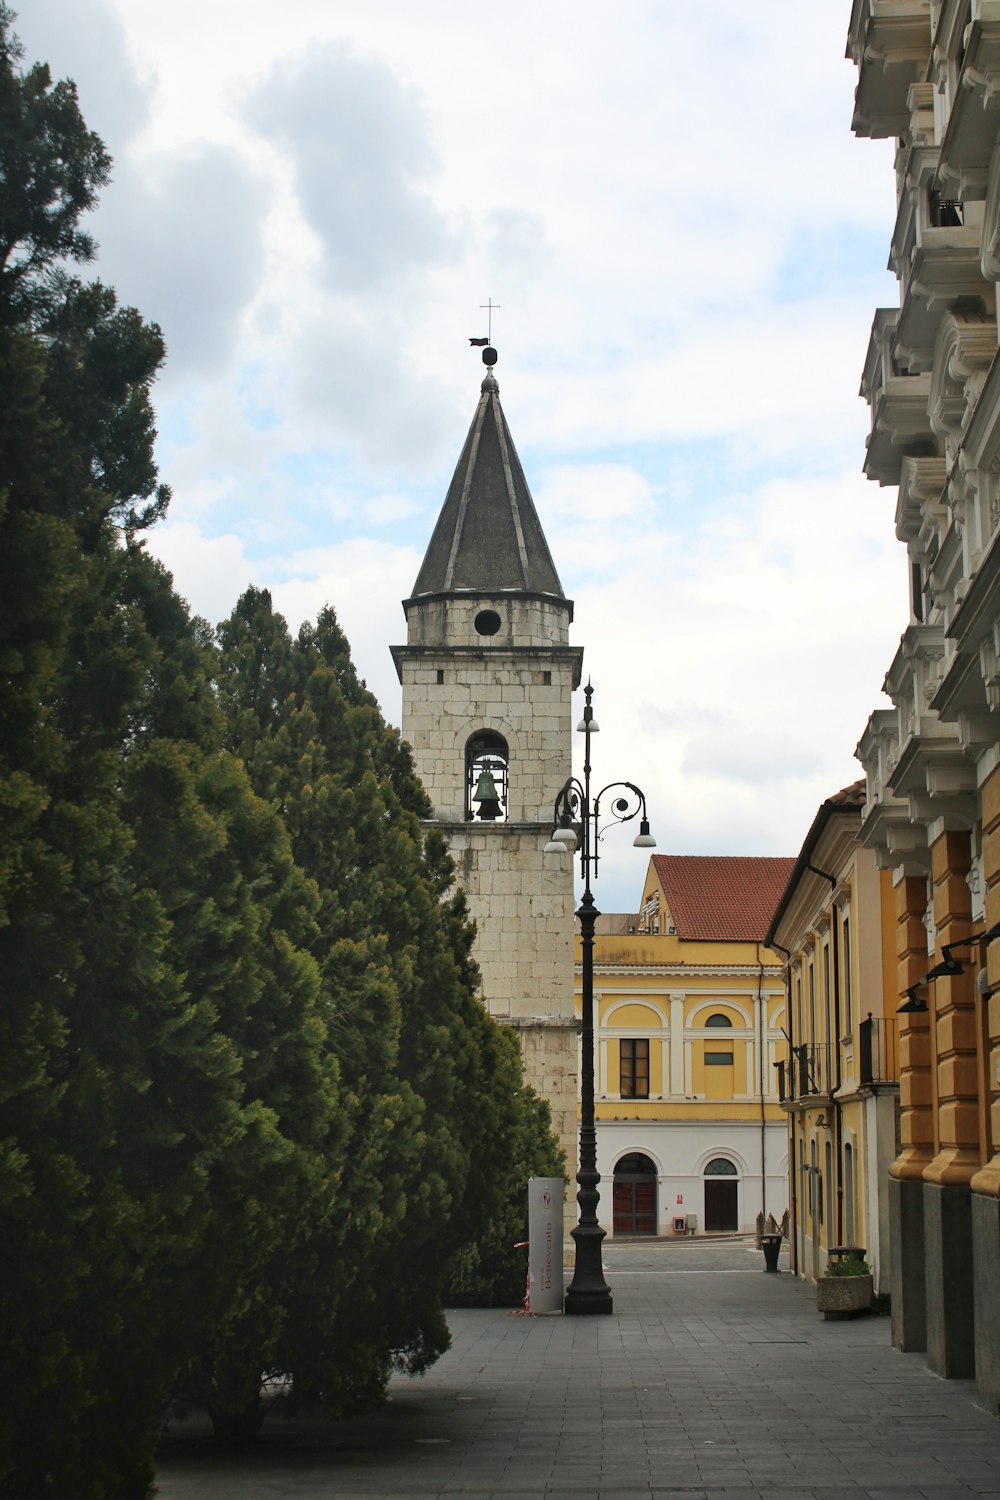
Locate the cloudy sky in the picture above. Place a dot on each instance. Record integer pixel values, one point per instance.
(686, 245)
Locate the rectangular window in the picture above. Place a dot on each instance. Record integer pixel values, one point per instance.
(848, 997)
(635, 1068)
(718, 1059)
(811, 978)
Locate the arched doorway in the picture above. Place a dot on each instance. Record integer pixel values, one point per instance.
(634, 1196)
(722, 1189)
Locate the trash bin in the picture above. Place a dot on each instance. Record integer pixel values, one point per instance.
(771, 1246)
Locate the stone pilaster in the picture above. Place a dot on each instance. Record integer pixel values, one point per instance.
(986, 1182)
(947, 1194)
(916, 1097)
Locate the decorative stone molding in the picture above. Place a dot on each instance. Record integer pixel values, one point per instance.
(966, 344)
(990, 256)
(989, 665)
(921, 493)
(890, 46)
(920, 103)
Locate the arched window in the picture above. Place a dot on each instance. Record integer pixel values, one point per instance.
(721, 1166)
(718, 1020)
(486, 777)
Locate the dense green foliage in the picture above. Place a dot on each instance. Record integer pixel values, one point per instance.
(848, 1265)
(488, 1271)
(251, 1106)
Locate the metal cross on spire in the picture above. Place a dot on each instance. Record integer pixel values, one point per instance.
(486, 344)
(490, 307)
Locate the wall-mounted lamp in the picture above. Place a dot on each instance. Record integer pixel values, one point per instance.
(913, 1003)
(948, 968)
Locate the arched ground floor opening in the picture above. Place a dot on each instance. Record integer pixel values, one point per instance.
(635, 1195)
(722, 1196)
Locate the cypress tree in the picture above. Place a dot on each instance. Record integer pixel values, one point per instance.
(168, 1105)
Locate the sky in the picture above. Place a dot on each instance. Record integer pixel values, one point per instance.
(685, 245)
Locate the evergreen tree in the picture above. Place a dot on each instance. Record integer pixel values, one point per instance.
(51, 169)
(250, 1102)
(432, 1086)
(168, 1104)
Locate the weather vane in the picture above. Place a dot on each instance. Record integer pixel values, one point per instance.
(486, 344)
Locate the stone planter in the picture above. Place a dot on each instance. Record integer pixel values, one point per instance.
(843, 1296)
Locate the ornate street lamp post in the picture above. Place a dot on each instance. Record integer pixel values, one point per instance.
(588, 1292)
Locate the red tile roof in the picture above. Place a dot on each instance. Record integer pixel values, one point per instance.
(722, 897)
(850, 799)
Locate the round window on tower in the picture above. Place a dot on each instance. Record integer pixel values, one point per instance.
(487, 622)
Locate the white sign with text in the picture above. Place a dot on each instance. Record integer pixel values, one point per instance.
(545, 1244)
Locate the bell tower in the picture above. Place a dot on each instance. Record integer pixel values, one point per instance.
(488, 674)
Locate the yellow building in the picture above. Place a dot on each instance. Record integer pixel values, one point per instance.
(929, 82)
(835, 923)
(689, 1011)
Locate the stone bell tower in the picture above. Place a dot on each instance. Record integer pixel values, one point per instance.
(487, 675)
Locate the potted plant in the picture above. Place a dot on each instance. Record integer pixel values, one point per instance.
(846, 1289)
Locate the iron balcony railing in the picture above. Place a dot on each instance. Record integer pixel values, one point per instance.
(809, 1071)
(878, 1050)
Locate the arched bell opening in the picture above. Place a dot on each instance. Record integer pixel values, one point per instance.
(487, 765)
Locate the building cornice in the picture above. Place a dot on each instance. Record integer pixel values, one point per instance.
(682, 970)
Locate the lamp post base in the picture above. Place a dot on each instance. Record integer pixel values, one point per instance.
(588, 1294)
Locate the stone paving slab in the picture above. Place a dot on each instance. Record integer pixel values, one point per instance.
(711, 1381)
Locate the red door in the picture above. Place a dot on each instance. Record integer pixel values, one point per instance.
(634, 1197)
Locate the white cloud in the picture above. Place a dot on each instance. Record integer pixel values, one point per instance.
(735, 675)
(594, 492)
(365, 581)
(181, 239)
(210, 572)
(686, 257)
(359, 148)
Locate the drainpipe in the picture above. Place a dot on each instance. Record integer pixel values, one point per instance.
(761, 1051)
(838, 1120)
(793, 1172)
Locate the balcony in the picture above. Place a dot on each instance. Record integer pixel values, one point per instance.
(878, 1050)
(974, 118)
(898, 402)
(936, 255)
(889, 41)
(901, 425)
(807, 1074)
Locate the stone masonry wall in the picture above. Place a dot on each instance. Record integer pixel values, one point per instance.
(519, 683)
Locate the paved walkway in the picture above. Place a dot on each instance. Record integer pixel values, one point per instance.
(711, 1381)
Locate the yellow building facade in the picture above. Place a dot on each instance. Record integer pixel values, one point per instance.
(835, 926)
(689, 1024)
(929, 82)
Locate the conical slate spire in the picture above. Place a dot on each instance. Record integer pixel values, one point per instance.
(488, 536)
